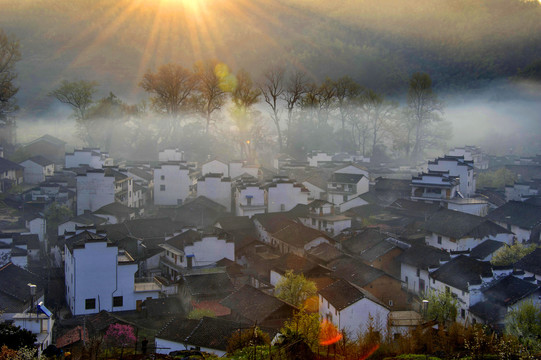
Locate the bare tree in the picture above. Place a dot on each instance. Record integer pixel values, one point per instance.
(244, 96)
(293, 94)
(377, 113)
(347, 95)
(171, 85)
(424, 108)
(272, 89)
(79, 95)
(211, 89)
(9, 55)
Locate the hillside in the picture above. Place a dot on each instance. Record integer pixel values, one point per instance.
(461, 43)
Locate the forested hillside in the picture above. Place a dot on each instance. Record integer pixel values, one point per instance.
(461, 43)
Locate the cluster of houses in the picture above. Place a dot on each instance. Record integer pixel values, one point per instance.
(161, 239)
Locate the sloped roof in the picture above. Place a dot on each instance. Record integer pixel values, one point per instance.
(457, 225)
(489, 311)
(141, 173)
(531, 262)
(461, 271)
(6, 165)
(50, 139)
(253, 304)
(273, 222)
(355, 271)
(235, 223)
(116, 209)
(523, 215)
(213, 284)
(385, 184)
(377, 251)
(161, 307)
(359, 242)
(40, 160)
(509, 290)
(346, 178)
(151, 228)
(87, 219)
(342, 294)
(485, 248)
(298, 235)
(325, 252)
(289, 261)
(14, 291)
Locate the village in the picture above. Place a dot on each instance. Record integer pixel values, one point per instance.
(88, 241)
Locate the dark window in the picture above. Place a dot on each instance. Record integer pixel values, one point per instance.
(439, 239)
(421, 285)
(463, 313)
(345, 198)
(90, 304)
(162, 187)
(162, 177)
(118, 301)
(313, 221)
(418, 272)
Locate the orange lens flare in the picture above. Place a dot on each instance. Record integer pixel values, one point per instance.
(328, 334)
(370, 352)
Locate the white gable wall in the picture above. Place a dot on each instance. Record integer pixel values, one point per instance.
(94, 190)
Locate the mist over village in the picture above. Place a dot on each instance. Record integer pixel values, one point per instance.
(269, 179)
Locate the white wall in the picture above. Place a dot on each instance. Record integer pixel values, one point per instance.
(171, 155)
(408, 275)
(217, 189)
(455, 168)
(94, 190)
(215, 167)
(84, 157)
(35, 173)
(355, 317)
(175, 179)
(284, 197)
(464, 243)
(241, 200)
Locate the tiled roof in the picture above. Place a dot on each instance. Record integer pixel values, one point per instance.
(509, 290)
(116, 208)
(161, 307)
(253, 304)
(6, 165)
(49, 138)
(205, 285)
(531, 262)
(299, 265)
(40, 160)
(273, 222)
(423, 256)
(523, 215)
(342, 294)
(14, 291)
(325, 252)
(355, 271)
(462, 271)
(298, 235)
(456, 224)
(485, 248)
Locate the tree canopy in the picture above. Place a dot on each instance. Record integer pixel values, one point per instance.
(508, 255)
(10, 54)
(295, 289)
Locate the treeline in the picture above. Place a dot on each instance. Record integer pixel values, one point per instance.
(332, 115)
(462, 44)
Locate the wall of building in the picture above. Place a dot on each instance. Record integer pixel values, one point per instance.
(217, 189)
(284, 197)
(94, 190)
(171, 184)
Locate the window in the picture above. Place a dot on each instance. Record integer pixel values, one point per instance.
(418, 272)
(162, 177)
(406, 280)
(118, 301)
(162, 187)
(439, 239)
(345, 198)
(90, 304)
(463, 313)
(391, 303)
(313, 221)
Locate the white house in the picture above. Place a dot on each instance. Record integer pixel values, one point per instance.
(322, 216)
(91, 157)
(249, 198)
(192, 248)
(457, 167)
(238, 168)
(458, 231)
(316, 157)
(346, 183)
(284, 194)
(351, 309)
(99, 276)
(215, 167)
(171, 155)
(215, 187)
(520, 191)
(171, 183)
(523, 219)
(39, 321)
(434, 186)
(471, 153)
(95, 188)
(36, 169)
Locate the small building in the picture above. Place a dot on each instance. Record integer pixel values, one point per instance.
(48, 146)
(100, 276)
(91, 157)
(36, 169)
(283, 194)
(95, 188)
(352, 309)
(215, 187)
(249, 197)
(171, 183)
(457, 166)
(11, 174)
(458, 231)
(523, 219)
